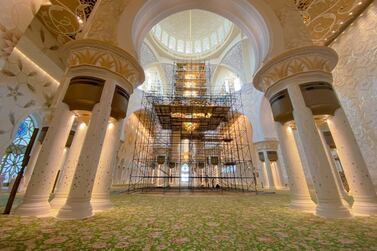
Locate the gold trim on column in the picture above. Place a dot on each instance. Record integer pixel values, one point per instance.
(119, 104)
(293, 62)
(99, 54)
(320, 97)
(281, 106)
(272, 155)
(83, 93)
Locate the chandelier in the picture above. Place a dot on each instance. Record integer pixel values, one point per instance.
(190, 126)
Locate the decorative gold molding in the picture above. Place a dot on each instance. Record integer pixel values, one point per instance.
(327, 19)
(267, 145)
(88, 52)
(293, 62)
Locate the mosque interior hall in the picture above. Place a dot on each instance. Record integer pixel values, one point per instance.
(188, 125)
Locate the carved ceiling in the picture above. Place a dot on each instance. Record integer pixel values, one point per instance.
(66, 18)
(326, 19)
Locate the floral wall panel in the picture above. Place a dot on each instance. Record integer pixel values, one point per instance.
(24, 89)
(355, 80)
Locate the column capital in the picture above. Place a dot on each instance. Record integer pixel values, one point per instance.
(267, 145)
(99, 55)
(310, 59)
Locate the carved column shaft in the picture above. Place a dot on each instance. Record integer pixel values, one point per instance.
(101, 190)
(35, 202)
(353, 165)
(69, 167)
(329, 201)
(300, 197)
(78, 204)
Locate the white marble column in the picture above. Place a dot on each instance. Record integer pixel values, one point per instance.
(101, 191)
(78, 204)
(356, 171)
(69, 167)
(299, 192)
(329, 203)
(263, 172)
(61, 165)
(276, 175)
(267, 164)
(217, 174)
(338, 180)
(160, 179)
(30, 166)
(35, 201)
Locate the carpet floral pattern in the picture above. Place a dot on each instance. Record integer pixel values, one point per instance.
(191, 222)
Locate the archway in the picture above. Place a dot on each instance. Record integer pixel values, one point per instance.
(254, 17)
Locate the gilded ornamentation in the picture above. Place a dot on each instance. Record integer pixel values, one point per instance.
(327, 19)
(294, 31)
(293, 62)
(103, 55)
(106, 31)
(66, 19)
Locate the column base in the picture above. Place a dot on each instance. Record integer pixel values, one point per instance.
(37, 207)
(101, 202)
(332, 211)
(305, 205)
(364, 208)
(58, 201)
(272, 189)
(75, 210)
(281, 188)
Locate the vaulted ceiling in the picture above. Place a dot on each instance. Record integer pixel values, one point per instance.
(325, 19)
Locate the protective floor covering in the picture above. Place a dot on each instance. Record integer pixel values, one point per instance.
(191, 222)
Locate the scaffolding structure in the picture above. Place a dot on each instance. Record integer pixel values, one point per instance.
(197, 139)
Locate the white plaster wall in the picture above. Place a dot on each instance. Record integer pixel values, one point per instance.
(355, 81)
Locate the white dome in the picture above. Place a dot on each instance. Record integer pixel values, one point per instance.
(192, 32)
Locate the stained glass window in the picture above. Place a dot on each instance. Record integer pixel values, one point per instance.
(185, 173)
(11, 162)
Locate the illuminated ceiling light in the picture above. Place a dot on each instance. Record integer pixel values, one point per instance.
(360, 3)
(190, 126)
(351, 13)
(82, 125)
(80, 21)
(189, 84)
(190, 93)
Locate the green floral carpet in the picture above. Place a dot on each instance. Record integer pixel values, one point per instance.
(191, 222)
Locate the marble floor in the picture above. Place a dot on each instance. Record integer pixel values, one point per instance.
(199, 221)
